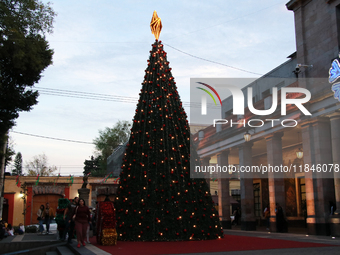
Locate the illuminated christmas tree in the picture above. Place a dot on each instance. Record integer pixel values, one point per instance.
(157, 200)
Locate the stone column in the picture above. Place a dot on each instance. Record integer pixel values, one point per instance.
(335, 135)
(223, 191)
(308, 158)
(248, 221)
(205, 163)
(84, 193)
(275, 180)
(316, 142)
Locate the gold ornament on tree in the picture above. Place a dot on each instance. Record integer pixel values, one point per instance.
(109, 237)
(156, 25)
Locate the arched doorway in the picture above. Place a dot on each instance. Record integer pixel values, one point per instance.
(39, 200)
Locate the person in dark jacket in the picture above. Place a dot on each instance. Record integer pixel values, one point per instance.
(81, 218)
(69, 222)
(280, 219)
(48, 215)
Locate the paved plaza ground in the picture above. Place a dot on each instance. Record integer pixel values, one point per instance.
(331, 245)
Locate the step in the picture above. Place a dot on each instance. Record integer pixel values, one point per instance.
(30, 244)
(51, 253)
(39, 250)
(89, 249)
(64, 250)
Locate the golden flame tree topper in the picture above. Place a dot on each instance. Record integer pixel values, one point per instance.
(156, 25)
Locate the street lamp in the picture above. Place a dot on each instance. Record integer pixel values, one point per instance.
(299, 154)
(247, 136)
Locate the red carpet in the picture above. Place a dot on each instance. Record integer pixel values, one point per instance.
(228, 243)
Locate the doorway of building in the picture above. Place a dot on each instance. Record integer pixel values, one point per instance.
(5, 210)
(39, 200)
(303, 201)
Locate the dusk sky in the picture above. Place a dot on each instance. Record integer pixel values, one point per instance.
(101, 50)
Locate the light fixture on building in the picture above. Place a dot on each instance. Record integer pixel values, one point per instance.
(247, 136)
(298, 68)
(21, 194)
(299, 153)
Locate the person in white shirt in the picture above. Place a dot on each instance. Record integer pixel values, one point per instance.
(10, 230)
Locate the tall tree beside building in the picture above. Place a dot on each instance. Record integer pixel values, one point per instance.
(39, 165)
(24, 54)
(157, 200)
(17, 164)
(109, 139)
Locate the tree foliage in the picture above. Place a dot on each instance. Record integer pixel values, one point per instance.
(9, 148)
(24, 54)
(17, 164)
(111, 138)
(93, 167)
(39, 165)
(10, 152)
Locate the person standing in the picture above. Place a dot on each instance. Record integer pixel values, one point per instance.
(48, 215)
(332, 207)
(40, 218)
(266, 214)
(69, 222)
(280, 220)
(94, 221)
(89, 227)
(82, 219)
(236, 215)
